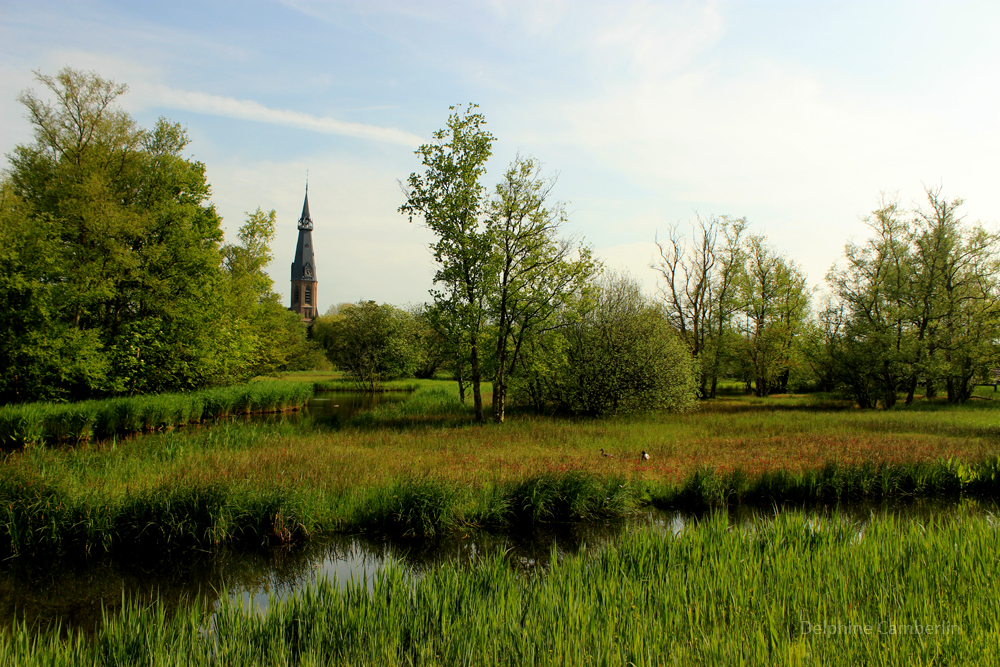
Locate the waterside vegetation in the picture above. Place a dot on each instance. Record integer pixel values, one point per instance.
(787, 591)
(422, 467)
(39, 423)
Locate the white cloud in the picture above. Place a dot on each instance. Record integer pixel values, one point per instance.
(656, 39)
(801, 156)
(230, 107)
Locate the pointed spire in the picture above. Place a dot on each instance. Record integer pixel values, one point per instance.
(305, 222)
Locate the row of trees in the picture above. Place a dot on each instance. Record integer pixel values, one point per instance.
(113, 274)
(514, 303)
(114, 279)
(919, 302)
(916, 304)
(740, 305)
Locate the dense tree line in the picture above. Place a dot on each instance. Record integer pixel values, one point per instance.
(917, 304)
(114, 278)
(741, 306)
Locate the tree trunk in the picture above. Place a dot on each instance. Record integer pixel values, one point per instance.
(500, 377)
(499, 400)
(460, 376)
(911, 389)
(477, 394)
(888, 387)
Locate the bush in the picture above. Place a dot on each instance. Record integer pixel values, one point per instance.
(370, 343)
(621, 356)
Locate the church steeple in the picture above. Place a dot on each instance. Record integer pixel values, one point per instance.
(304, 281)
(305, 222)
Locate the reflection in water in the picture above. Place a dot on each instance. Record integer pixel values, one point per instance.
(329, 408)
(74, 594)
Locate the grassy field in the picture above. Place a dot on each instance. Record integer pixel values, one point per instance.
(791, 591)
(422, 466)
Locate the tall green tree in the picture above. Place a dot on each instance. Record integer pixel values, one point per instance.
(920, 302)
(869, 345)
(537, 275)
(116, 281)
(774, 307)
(136, 241)
(953, 298)
(450, 198)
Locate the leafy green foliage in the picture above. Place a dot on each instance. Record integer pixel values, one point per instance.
(133, 245)
(619, 356)
(372, 343)
(504, 275)
(537, 276)
(113, 279)
(773, 308)
(450, 199)
(918, 302)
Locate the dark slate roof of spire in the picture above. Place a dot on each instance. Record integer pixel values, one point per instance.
(304, 266)
(305, 211)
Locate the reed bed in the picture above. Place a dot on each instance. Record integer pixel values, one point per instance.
(834, 483)
(789, 591)
(421, 467)
(37, 423)
(43, 516)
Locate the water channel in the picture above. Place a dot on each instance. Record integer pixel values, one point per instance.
(76, 593)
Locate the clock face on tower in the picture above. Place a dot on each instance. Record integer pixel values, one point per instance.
(308, 270)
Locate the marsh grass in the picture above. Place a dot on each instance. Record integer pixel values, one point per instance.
(422, 467)
(705, 488)
(38, 423)
(788, 591)
(433, 406)
(39, 517)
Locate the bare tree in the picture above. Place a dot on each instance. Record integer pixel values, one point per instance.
(698, 287)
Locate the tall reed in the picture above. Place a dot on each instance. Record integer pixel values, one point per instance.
(36, 423)
(791, 591)
(705, 488)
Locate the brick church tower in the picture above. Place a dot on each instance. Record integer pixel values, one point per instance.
(304, 268)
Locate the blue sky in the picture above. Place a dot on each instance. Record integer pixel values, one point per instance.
(796, 115)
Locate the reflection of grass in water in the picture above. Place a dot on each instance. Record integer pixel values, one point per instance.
(74, 592)
(788, 591)
(350, 385)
